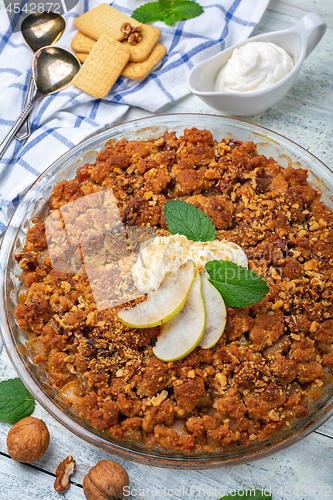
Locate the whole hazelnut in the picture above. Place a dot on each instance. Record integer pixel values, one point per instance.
(28, 440)
(105, 481)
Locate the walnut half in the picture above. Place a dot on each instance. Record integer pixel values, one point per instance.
(64, 470)
(26, 261)
(132, 34)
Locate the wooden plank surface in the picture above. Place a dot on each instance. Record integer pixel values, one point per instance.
(305, 116)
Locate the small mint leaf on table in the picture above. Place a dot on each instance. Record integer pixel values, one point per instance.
(238, 286)
(16, 401)
(253, 494)
(183, 218)
(167, 11)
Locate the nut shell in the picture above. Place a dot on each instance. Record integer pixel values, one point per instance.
(28, 440)
(105, 481)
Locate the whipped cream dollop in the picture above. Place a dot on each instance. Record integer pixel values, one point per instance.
(254, 66)
(167, 253)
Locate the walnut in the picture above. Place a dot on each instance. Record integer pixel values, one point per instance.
(126, 28)
(135, 37)
(105, 481)
(64, 470)
(28, 440)
(26, 261)
(131, 34)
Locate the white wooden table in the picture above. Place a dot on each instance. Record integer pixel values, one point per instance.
(305, 470)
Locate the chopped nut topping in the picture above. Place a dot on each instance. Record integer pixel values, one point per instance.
(69, 359)
(274, 416)
(26, 261)
(314, 226)
(157, 400)
(65, 286)
(222, 379)
(310, 265)
(278, 304)
(314, 326)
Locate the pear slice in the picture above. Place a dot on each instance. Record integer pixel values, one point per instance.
(163, 304)
(183, 333)
(216, 315)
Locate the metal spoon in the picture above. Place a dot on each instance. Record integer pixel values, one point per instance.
(53, 70)
(38, 30)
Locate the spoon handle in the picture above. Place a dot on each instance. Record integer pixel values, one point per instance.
(24, 131)
(11, 134)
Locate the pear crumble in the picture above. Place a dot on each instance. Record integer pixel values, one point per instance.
(274, 358)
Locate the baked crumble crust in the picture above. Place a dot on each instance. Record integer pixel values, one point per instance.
(274, 358)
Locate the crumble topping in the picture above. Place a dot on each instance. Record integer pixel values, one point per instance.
(273, 360)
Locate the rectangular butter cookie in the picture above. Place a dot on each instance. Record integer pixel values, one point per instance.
(139, 70)
(82, 43)
(141, 50)
(103, 20)
(138, 53)
(102, 67)
(82, 56)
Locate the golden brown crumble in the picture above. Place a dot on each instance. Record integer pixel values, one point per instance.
(274, 359)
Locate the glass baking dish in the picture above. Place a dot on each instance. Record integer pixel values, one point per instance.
(35, 204)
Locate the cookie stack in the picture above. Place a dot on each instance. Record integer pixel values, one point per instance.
(111, 44)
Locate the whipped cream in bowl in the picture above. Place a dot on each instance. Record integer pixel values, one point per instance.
(252, 84)
(165, 254)
(254, 66)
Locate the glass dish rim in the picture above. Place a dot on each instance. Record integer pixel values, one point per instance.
(164, 459)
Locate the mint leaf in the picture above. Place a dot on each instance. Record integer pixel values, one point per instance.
(185, 9)
(252, 494)
(170, 18)
(149, 13)
(16, 401)
(238, 285)
(183, 218)
(167, 11)
(164, 4)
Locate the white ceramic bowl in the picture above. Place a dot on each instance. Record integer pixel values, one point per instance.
(299, 41)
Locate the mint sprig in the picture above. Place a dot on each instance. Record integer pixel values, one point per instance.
(253, 494)
(238, 286)
(149, 13)
(183, 218)
(169, 12)
(16, 401)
